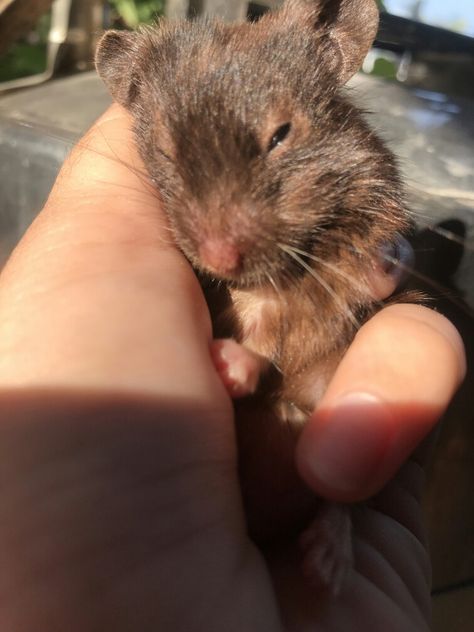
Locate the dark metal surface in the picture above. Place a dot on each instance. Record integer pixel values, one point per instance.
(400, 34)
(37, 129)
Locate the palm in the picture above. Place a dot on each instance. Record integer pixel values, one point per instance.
(388, 588)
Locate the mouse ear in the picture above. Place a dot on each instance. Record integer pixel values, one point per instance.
(114, 61)
(350, 25)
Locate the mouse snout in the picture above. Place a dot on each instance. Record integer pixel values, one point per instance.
(220, 256)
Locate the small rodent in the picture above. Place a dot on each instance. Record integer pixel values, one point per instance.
(274, 183)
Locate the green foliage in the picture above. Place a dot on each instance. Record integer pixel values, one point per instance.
(28, 57)
(135, 12)
(23, 60)
(385, 68)
(459, 26)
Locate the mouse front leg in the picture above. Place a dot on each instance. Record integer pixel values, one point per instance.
(239, 368)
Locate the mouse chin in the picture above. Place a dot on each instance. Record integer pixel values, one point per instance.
(242, 280)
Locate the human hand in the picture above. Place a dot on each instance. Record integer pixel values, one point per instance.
(121, 506)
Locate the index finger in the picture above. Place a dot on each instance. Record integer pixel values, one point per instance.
(391, 387)
(96, 295)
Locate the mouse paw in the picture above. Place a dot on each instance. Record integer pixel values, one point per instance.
(238, 368)
(327, 547)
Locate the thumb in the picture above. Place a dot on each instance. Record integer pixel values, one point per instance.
(393, 384)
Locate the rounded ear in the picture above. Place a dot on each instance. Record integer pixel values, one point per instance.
(115, 61)
(350, 27)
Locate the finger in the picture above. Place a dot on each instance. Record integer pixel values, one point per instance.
(97, 276)
(391, 387)
(121, 416)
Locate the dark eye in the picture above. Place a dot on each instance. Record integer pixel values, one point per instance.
(279, 136)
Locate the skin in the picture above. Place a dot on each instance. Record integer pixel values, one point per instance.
(121, 507)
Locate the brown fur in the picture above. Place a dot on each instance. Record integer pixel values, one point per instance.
(207, 99)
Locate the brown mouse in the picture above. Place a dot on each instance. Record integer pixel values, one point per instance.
(275, 184)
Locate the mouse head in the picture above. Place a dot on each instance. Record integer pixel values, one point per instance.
(249, 141)
(344, 30)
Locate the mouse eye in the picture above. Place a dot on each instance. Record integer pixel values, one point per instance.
(279, 136)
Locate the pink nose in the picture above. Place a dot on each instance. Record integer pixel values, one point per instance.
(220, 256)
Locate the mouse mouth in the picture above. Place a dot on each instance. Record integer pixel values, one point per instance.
(240, 275)
(244, 260)
(235, 279)
(250, 265)
(232, 261)
(252, 271)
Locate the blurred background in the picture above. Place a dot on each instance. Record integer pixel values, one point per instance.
(413, 54)
(417, 82)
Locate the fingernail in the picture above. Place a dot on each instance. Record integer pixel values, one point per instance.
(345, 450)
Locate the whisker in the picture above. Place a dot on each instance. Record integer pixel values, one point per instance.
(142, 175)
(453, 194)
(417, 215)
(69, 141)
(289, 251)
(352, 281)
(330, 266)
(443, 291)
(271, 280)
(448, 234)
(265, 277)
